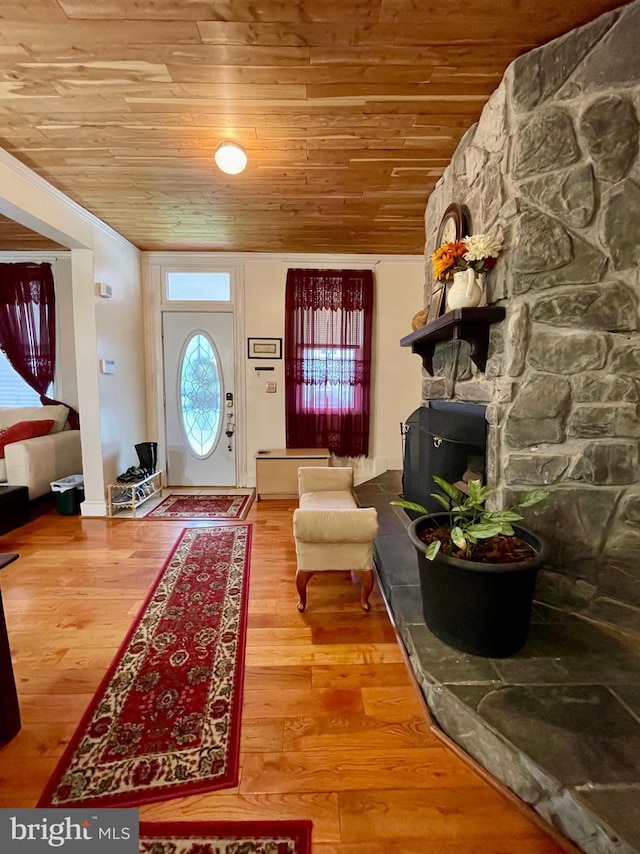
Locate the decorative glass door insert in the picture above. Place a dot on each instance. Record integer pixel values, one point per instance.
(199, 395)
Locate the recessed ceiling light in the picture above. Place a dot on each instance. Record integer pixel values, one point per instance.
(230, 157)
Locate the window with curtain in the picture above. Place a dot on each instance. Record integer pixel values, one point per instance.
(14, 391)
(328, 322)
(27, 330)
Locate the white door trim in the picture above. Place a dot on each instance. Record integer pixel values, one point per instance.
(184, 467)
(154, 305)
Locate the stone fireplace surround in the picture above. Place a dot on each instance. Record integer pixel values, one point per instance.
(553, 165)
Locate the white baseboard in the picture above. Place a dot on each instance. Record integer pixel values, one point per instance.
(93, 508)
(394, 464)
(370, 468)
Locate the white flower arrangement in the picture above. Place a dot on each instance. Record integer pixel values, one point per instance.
(482, 246)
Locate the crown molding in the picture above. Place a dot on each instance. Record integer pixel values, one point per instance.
(43, 186)
(165, 258)
(39, 255)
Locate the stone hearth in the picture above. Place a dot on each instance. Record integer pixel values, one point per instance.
(558, 723)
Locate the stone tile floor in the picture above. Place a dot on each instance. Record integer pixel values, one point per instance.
(558, 723)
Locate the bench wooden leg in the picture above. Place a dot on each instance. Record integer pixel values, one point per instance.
(302, 579)
(366, 586)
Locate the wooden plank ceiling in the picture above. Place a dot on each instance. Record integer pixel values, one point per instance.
(349, 111)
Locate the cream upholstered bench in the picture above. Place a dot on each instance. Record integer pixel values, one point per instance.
(331, 531)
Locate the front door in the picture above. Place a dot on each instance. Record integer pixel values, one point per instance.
(199, 398)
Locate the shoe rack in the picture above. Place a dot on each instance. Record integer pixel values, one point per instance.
(121, 496)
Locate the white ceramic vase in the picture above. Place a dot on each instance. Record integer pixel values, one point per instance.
(465, 292)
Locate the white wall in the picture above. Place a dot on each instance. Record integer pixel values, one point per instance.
(66, 374)
(120, 336)
(264, 282)
(397, 379)
(396, 372)
(399, 284)
(112, 409)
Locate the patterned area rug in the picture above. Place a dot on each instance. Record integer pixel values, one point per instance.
(226, 837)
(166, 719)
(186, 507)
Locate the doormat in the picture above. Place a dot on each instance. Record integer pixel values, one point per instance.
(192, 507)
(165, 721)
(225, 837)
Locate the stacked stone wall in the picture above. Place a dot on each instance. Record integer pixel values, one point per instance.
(553, 164)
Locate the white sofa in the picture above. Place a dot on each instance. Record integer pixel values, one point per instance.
(37, 462)
(331, 531)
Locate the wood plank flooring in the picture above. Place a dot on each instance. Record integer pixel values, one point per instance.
(333, 728)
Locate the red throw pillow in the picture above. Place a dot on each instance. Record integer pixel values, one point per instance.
(23, 430)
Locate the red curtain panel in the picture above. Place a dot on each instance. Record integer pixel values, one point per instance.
(28, 322)
(328, 323)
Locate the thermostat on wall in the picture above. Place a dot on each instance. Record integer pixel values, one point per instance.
(107, 366)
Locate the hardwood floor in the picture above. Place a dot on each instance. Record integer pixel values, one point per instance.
(333, 728)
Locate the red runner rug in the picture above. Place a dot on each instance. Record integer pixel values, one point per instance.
(187, 507)
(166, 719)
(226, 837)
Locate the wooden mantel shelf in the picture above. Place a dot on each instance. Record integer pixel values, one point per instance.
(465, 324)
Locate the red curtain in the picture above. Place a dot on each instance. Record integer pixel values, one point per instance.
(28, 322)
(328, 322)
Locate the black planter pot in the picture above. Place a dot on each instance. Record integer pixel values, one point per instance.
(480, 608)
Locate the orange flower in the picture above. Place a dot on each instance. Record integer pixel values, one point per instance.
(446, 257)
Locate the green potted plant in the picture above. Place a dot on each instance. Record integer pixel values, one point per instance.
(478, 569)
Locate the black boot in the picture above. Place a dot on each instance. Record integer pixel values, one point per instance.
(148, 455)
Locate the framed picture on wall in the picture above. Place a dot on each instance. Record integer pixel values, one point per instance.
(264, 348)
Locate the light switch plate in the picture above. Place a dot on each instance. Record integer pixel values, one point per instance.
(272, 387)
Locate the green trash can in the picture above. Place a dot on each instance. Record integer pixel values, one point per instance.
(69, 494)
